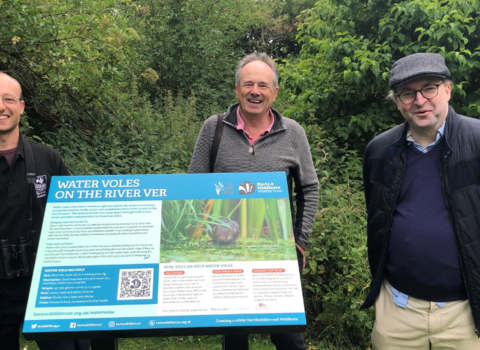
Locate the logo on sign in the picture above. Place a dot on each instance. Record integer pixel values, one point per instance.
(246, 188)
(151, 323)
(136, 283)
(262, 306)
(73, 325)
(218, 187)
(41, 186)
(111, 324)
(34, 326)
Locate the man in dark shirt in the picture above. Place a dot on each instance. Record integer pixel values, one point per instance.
(419, 235)
(22, 205)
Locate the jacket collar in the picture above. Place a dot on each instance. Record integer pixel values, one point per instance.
(231, 118)
(451, 128)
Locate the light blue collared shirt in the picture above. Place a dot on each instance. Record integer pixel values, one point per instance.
(400, 298)
(418, 146)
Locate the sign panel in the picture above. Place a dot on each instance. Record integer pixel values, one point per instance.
(163, 252)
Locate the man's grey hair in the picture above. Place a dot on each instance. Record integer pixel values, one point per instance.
(257, 57)
(392, 93)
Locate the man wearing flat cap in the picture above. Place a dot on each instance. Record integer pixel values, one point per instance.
(422, 190)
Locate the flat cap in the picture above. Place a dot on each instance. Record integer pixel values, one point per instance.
(416, 66)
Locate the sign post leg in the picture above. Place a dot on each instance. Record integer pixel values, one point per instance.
(105, 344)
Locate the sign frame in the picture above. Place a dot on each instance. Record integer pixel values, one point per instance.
(206, 187)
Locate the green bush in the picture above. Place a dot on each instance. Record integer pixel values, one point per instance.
(337, 275)
(76, 61)
(341, 78)
(164, 144)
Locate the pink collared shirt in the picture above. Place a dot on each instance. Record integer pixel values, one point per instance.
(241, 125)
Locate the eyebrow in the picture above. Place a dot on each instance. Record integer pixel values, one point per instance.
(250, 81)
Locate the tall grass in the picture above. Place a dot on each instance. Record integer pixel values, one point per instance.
(190, 220)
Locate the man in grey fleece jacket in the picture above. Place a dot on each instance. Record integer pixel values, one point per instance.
(256, 138)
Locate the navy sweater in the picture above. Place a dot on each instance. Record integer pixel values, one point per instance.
(422, 259)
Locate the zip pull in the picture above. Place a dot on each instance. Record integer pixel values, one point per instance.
(250, 150)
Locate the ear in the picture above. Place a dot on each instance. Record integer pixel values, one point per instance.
(275, 92)
(236, 91)
(397, 101)
(22, 107)
(448, 90)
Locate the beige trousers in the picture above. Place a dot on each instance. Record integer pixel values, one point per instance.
(422, 325)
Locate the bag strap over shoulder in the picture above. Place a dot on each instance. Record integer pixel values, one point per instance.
(31, 175)
(29, 163)
(216, 141)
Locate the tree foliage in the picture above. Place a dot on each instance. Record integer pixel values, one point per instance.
(341, 78)
(194, 46)
(278, 37)
(121, 87)
(80, 67)
(73, 60)
(84, 62)
(190, 43)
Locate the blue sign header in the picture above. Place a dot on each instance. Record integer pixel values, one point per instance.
(166, 187)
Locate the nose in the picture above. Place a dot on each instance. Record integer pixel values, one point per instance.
(419, 99)
(255, 90)
(2, 105)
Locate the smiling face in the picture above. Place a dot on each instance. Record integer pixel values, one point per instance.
(10, 113)
(425, 116)
(256, 93)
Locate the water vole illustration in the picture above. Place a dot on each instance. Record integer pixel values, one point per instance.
(225, 234)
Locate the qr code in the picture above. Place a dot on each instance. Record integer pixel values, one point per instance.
(135, 284)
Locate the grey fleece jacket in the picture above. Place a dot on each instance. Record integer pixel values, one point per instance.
(285, 149)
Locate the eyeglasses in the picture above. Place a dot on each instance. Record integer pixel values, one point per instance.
(10, 100)
(429, 91)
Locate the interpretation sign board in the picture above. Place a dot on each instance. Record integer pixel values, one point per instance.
(166, 255)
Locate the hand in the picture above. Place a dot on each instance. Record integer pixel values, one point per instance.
(303, 253)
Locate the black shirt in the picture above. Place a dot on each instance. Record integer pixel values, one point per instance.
(15, 195)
